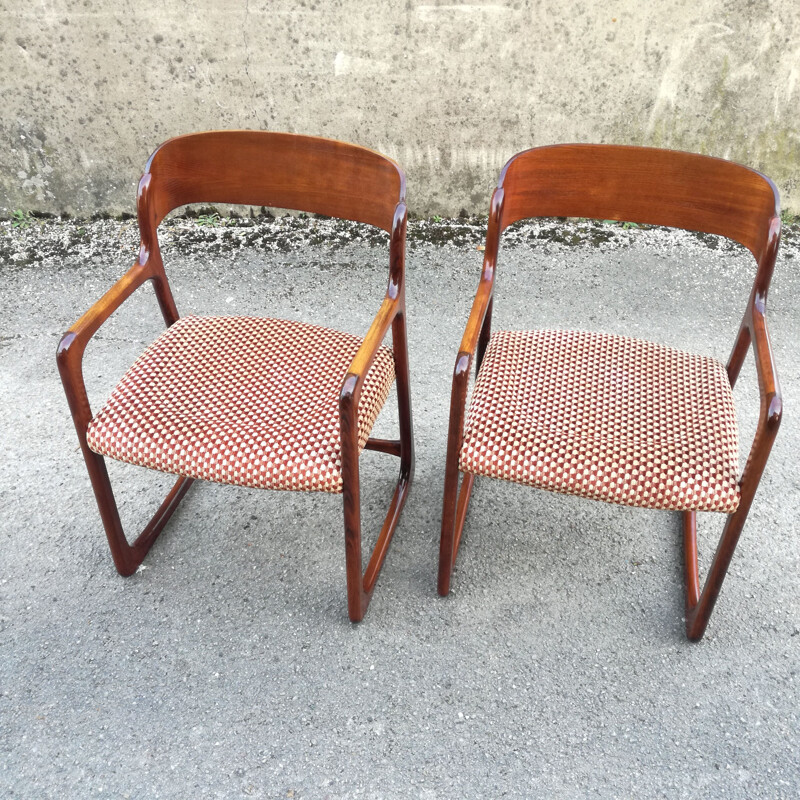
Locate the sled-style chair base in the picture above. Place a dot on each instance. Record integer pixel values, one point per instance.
(250, 401)
(606, 417)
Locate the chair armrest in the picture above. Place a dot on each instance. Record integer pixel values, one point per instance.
(362, 361)
(771, 405)
(480, 306)
(69, 355)
(769, 389)
(393, 302)
(472, 332)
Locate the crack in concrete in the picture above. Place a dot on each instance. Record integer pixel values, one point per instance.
(247, 57)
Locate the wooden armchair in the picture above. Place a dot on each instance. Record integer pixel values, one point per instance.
(609, 417)
(254, 402)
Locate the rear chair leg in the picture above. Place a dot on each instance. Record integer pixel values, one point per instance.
(454, 515)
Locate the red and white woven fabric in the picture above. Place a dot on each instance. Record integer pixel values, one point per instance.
(240, 400)
(606, 417)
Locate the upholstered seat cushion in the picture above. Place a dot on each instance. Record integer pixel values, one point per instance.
(240, 400)
(606, 417)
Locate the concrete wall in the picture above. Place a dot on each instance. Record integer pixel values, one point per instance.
(450, 90)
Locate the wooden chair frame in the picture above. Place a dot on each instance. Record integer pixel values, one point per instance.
(284, 171)
(649, 186)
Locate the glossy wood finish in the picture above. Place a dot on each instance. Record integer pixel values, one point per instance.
(650, 186)
(277, 170)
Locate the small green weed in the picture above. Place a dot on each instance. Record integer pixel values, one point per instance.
(618, 223)
(787, 218)
(437, 218)
(210, 220)
(20, 219)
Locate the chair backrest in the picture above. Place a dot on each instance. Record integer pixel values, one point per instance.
(279, 170)
(641, 184)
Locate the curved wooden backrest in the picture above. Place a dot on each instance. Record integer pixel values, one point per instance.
(280, 170)
(641, 184)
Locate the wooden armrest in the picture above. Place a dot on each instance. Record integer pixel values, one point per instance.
(472, 332)
(362, 361)
(768, 385)
(73, 343)
(771, 404)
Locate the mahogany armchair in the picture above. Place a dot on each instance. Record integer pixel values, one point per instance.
(255, 402)
(609, 417)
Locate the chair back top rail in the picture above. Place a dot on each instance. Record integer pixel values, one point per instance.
(279, 170)
(644, 185)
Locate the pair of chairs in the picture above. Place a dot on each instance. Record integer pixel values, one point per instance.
(286, 405)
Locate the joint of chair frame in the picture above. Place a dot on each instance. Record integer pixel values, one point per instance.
(396, 288)
(496, 207)
(766, 257)
(769, 417)
(775, 411)
(397, 251)
(399, 221)
(458, 399)
(769, 422)
(460, 386)
(70, 348)
(463, 364)
(69, 358)
(392, 447)
(350, 394)
(758, 304)
(148, 217)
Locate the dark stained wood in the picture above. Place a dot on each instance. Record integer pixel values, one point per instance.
(392, 447)
(699, 605)
(641, 184)
(281, 170)
(278, 170)
(644, 185)
(475, 336)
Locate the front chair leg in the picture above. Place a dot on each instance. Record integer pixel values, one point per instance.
(699, 605)
(127, 557)
(360, 587)
(357, 597)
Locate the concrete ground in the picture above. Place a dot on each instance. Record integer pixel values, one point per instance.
(557, 668)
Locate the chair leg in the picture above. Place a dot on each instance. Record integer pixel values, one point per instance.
(455, 503)
(454, 515)
(127, 557)
(699, 605)
(360, 587)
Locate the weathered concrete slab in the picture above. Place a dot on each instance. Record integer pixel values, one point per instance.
(558, 668)
(451, 90)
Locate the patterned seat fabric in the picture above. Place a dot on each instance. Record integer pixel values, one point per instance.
(240, 400)
(606, 417)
